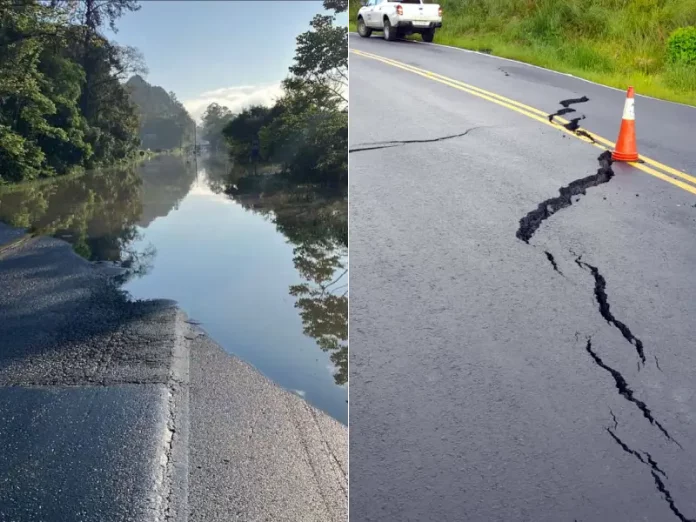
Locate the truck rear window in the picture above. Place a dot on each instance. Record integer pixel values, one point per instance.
(407, 1)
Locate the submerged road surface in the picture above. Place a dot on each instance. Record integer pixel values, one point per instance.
(521, 314)
(116, 410)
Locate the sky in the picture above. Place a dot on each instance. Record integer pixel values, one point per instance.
(234, 53)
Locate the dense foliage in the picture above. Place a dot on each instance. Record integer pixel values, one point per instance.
(306, 131)
(681, 46)
(63, 105)
(164, 122)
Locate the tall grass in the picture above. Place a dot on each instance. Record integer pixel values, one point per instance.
(613, 42)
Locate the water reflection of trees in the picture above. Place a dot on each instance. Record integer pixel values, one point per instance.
(315, 221)
(99, 213)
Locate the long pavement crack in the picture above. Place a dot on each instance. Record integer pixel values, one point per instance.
(600, 292)
(655, 471)
(626, 392)
(397, 143)
(530, 223)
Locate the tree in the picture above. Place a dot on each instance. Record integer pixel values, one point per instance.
(62, 105)
(164, 122)
(35, 111)
(215, 118)
(321, 57)
(339, 6)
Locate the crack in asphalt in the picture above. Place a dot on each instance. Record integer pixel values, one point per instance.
(605, 310)
(573, 125)
(655, 471)
(625, 447)
(398, 143)
(533, 220)
(573, 101)
(373, 148)
(585, 134)
(552, 260)
(626, 392)
(560, 112)
(668, 497)
(657, 362)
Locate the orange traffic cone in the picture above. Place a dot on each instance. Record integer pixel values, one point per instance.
(626, 149)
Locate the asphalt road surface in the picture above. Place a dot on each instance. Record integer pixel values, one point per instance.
(114, 410)
(517, 353)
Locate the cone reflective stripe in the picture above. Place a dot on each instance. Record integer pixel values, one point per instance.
(626, 149)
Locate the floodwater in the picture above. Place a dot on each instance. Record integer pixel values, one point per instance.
(262, 265)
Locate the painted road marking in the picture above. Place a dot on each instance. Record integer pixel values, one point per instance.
(668, 173)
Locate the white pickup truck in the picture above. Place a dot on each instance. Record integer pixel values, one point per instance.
(398, 18)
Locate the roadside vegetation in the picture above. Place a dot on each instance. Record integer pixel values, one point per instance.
(305, 132)
(650, 44)
(64, 103)
(289, 162)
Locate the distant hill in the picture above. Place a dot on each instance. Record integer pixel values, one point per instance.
(164, 122)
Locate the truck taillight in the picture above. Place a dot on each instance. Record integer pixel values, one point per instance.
(399, 10)
(439, 12)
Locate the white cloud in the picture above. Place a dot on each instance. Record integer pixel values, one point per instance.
(234, 98)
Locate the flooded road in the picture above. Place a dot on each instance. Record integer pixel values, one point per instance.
(261, 265)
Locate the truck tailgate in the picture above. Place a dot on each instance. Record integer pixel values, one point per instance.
(421, 12)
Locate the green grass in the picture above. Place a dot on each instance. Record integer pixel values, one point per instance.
(613, 42)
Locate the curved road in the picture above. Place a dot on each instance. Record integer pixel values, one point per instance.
(522, 310)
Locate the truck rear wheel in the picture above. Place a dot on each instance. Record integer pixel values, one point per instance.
(390, 32)
(428, 35)
(363, 30)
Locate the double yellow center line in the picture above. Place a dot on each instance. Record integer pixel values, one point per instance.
(650, 166)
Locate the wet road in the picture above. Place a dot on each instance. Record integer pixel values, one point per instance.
(501, 379)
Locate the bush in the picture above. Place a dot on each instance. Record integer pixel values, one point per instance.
(681, 46)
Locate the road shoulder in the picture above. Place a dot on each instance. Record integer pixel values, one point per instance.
(258, 452)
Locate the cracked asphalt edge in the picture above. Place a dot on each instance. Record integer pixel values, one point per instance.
(174, 465)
